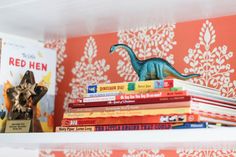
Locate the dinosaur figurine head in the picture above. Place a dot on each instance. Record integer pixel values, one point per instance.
(114, 47)
(153, 68)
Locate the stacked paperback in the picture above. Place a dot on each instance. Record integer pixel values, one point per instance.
(148, 105)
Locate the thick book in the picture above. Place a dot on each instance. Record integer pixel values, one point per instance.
(126, 127)
(161, 118)
(148, 85)
(19, 55)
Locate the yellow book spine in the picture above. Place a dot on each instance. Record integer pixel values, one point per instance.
(118, 87)
(144, 85)
(75, 129)
(123, 87)
(127, 113)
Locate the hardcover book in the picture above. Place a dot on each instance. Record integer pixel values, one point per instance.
(19, 55)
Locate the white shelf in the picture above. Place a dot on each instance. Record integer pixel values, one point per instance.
(79, 18)
(164, 139)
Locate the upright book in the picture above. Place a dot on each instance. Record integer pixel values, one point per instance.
(19, 55)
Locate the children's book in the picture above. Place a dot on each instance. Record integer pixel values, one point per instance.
(17, 55)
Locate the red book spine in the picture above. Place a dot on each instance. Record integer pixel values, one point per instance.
(153, 126)
(168, 83)
(131, 101)
(150, 95)
(131, 120)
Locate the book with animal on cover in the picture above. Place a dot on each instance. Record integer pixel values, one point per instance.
(19, 55)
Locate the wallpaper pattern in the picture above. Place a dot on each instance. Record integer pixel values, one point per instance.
(208, 56)
(211, 61)
(204, 46)
(146, 42)
(139, 153)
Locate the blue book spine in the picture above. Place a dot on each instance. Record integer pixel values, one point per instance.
(191, 125)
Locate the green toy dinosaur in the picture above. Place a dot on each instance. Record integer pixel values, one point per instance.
(153, 68)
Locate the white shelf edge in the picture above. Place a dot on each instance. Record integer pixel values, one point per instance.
(182, 138)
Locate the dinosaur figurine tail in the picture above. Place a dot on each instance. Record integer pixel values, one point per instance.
(178, 75)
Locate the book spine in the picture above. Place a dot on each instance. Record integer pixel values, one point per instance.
(125, 127)
(129, 99)
(129, 86)
(161, 118)
(75, 129)
(194, 125)
(117, 107)
(130, 102)
(147, 85)
(151, 95)
(104, 94)
(121, 127)
(180, 110)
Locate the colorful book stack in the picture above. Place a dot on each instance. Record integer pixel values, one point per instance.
(148, 105)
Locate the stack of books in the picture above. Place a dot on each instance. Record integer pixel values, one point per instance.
(148, 105)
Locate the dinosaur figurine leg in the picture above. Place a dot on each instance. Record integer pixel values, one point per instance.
(160, 74)
(143, 73)
(142, 78)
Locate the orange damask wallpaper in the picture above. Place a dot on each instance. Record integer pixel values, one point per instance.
(204, 46)
(139, 153)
